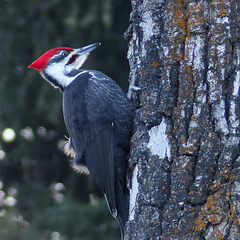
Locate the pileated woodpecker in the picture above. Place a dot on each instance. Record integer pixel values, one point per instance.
(98, 117)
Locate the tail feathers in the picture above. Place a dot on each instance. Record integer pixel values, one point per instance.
(122, 208)
(122, 226)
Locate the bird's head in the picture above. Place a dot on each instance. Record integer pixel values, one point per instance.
(57, 64)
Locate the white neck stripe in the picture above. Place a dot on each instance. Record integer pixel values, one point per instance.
(55, 72)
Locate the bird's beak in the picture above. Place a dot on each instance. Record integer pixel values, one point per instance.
(79, 55)
(85, 50)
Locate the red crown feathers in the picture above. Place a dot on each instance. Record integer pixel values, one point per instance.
(42, 61)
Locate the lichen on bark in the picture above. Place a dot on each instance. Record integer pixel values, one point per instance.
(184, 61)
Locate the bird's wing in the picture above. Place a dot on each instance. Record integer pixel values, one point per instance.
(99, 158)
(90, 124)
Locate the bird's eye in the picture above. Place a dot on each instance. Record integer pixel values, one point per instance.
(63, 53)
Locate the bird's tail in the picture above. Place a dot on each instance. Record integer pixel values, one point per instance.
(122, 207)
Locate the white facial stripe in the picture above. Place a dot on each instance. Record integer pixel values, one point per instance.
(55, 70)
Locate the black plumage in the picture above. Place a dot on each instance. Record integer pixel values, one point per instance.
(98, 117)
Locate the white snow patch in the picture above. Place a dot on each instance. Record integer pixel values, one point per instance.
(158, 142)
(133, 193)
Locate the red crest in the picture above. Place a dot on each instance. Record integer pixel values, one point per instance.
(42, 61)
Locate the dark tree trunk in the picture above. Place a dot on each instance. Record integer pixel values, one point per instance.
(185, 156)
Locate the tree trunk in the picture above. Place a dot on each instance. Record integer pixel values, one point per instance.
(184, 175)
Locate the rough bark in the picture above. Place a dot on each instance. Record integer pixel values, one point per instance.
(185, 156)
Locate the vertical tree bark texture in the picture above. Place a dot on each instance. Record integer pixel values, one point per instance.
(185, 157)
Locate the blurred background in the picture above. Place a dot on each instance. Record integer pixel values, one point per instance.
(40, 196)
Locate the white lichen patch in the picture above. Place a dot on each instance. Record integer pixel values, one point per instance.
(158, 141)
(209, 232)
(132, 86)
(133, 53)
(214, 92)
(201, 96)
(183, 113)
(193, 52)
(233, 119)
(223, 228)
(193, 124)
(236, 84)
(222, 20)
(198, 180)
(238, 55)
(166, 51)
(133, 193)
(198, 56)
(221, 52)
(147, 25)
(219, 116)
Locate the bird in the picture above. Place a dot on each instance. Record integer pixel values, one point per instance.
(98, 117)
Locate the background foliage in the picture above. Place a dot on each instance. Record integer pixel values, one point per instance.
(40, 196)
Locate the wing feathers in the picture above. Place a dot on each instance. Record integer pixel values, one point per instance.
(91, 103)
(99, 159)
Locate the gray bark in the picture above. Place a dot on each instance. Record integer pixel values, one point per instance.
(184, 175)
